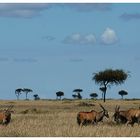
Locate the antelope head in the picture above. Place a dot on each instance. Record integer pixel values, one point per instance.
(105, 111)
(117, 114)
(8, 110)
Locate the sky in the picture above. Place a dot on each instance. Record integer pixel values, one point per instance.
(51, 47)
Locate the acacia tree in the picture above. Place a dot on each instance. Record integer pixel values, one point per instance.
(26, 91)
(36, 97)
(59, 94)
(77, 91)
(94, 95)
(110, 77)
(18, 92)
(122, 93)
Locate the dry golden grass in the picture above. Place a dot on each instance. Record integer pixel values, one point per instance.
(58, 118)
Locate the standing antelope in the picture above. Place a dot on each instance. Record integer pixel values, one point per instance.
(5, 115)
(92, 117)
(129, 116)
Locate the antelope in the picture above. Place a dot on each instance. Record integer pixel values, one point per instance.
(119, 116)
(5, 115)
(92, 117)
(129, 116)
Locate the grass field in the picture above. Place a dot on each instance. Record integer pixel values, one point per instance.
(46, 118)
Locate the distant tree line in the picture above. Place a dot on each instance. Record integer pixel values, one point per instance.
(105, 79)
(59, 94)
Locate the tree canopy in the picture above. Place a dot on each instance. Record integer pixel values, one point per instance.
(77, 90)
(93, 95)
(110, 76)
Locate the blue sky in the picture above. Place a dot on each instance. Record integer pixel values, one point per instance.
(50, 47)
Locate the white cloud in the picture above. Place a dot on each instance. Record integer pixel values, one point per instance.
(109, 37)
(29, 10)
(90, 38)
(22, 10)
(80, 39)
(75, 37)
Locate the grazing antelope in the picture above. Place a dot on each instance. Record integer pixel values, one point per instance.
(129, 116)
(5, 115)
(92, 117)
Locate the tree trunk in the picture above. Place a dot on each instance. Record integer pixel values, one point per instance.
(17, 97)
(105, 93)
(104, 96)
(26, 95)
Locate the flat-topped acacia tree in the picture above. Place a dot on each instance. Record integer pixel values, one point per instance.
(110, 77)
(93, 95)
(123, 93)
(78, 91)
(59, 94)
(26, 91)
(18, 92)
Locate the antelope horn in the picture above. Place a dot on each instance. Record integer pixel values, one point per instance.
(117, 108)
(102, 107)
(9, 108)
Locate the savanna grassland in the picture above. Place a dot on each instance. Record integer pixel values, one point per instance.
(46, 118)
